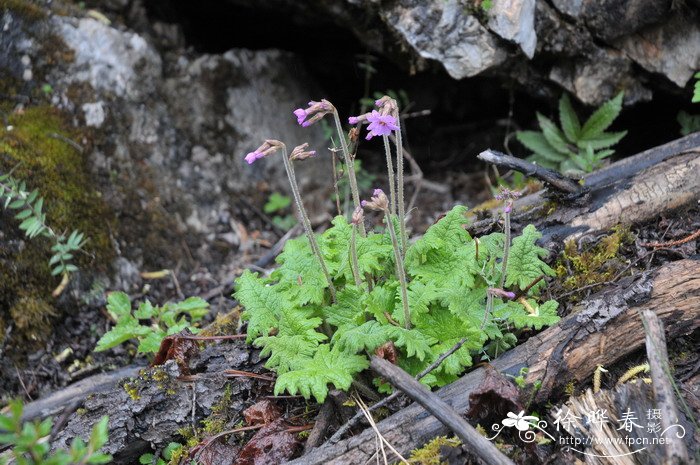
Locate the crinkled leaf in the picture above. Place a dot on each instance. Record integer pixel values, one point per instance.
(326, 367)
(261, 303)
(367, 336)
(524, 261)
(414, 342)
(300, 274)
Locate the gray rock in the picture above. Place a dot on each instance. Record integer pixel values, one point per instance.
(514, 20)
(671, 48)
(168, 151)
(112, 61)
(444, 31)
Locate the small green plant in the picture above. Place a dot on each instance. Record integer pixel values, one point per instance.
(574, 148)
(690, 123)
(338, 296)
(30, 446)
(165, 455)
(278, 205)
(15, 196)
(163, 321)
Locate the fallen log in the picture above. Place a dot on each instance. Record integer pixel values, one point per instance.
(148, 410)
(600, 331)
(633, 190)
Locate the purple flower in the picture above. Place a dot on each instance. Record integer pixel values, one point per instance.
(300, 113)
(252, 156)
(363, 203)
(380, 125)
(377, 192)
(508, 207)
(315, 111)
(353, 120)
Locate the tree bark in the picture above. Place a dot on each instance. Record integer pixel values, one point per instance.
(601, 330)
(633, 190)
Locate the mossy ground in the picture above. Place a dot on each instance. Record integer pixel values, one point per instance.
(577, 267)
(429, 454)
(42, 149)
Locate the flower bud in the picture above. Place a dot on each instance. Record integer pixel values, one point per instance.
(300, 152)
(379, 201)
(357, 216)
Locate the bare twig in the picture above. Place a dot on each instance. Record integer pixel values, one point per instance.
(478, 445)
(558, 181)
(657, 245)
(323, 421)
(358, 416)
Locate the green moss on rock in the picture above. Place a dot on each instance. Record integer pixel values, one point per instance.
(45, 151)
(26, 9)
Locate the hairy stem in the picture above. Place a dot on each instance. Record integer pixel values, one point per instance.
(335, 183)
(390, 171)
(306, 222)
(506, 246)
(399, 270)
(353, 257)
(489, 308)
(350, 165)
(400, 184)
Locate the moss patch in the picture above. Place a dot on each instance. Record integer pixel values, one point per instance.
(429, 454)
(26, 9)
(592, 265)
(44, 151)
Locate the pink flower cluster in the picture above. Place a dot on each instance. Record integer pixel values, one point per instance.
(267, 148)
(315, 111)
(382, 122)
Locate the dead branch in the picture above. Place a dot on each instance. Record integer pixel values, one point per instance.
(478, 445)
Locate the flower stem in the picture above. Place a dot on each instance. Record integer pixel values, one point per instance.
(506, 247)
(305, 221)
(350, 165)
(489, 308)
(390, 171)
(399, 184)
(353, 257)
(399, 270)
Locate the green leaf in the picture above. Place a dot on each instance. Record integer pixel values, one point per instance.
(119, 304)
(524, 262)
(602, 118)
(544, 315)
(569, 121)
(448, 329)
(349, 308)
(99, 435)
(300, 275)
(261, 303)
(276, 202)
(150, 342)
(537, 143)
(326, 367)
(127, 328)
(553, 135)
(606, 139)
(367, 336)
(414, 342)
